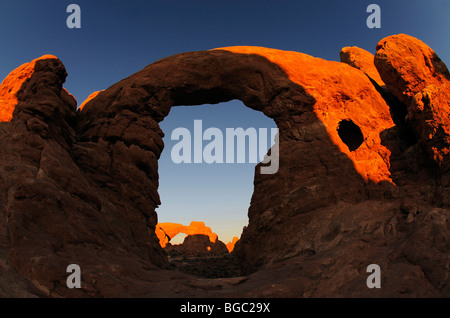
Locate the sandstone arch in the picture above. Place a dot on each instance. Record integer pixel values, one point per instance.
(307, 98)
(82, 187)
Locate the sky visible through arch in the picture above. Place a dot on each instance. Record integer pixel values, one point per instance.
(217, 194)
(118, 38)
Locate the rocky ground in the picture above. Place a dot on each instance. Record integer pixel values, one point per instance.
(222, 266)
(198, 256)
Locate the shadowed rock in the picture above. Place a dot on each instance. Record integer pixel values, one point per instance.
(417, 77)
(200, 245)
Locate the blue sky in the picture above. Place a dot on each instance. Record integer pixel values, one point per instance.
(118, 38)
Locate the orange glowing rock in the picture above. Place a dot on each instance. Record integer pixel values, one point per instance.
(166, 231)
(417, 76)
(12, 84)
(230, 245)
(362, 60)
(341, 92)
(90, 97)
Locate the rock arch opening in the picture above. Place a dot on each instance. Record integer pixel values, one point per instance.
(350, 134)
(124, 122)
(178, 239)
(218, 193)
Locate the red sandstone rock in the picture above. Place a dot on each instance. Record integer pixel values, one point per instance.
(12, 84)
(328, 82)
(81, 187)
(200, 245)
(88, 99)
(53, 214)
(362, 60)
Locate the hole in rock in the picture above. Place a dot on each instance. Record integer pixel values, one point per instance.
(350, 134)
(217, 193)
(178, 239)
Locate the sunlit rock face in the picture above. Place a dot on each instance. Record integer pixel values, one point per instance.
(418, 78)
(88, 99)
(362, 60)
(199, 240)
(12, 84)
(355, 186)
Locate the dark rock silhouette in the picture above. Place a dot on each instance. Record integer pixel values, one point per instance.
(200, 245)
(81, 187)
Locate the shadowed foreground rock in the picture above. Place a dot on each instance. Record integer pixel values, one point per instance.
(353, 188)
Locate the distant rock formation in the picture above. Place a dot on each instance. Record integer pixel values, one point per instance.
(194, 242)
(420, 80)
(230, 245)
(358, 182)
(198, 245)
(167, 231)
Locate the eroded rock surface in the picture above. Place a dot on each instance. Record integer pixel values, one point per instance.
(53, 215)
(362, 60)
(352, 188)
(418, 77)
